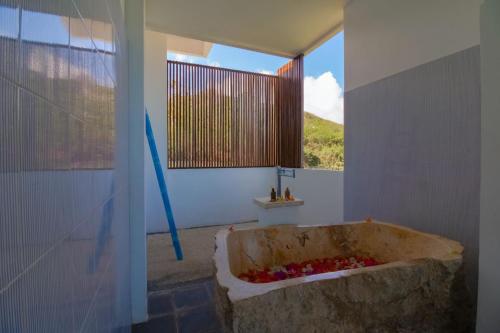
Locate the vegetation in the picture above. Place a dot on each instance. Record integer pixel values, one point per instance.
(323, 143)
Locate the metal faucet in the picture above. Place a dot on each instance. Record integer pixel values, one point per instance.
(285, 173)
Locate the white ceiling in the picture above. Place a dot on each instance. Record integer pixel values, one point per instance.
(188, 46)
(281, 27)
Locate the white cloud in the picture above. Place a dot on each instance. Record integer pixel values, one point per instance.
(265, 71)
(180, 57)
(184, 58)
(195, 60)
(323, 97)
(213, 63)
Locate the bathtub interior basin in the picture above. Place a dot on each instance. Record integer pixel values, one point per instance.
(415, 285)
(254, 248)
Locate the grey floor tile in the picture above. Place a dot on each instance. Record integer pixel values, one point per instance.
(164, 324)
(199, 320)
(160, 304)
(191, 296)
(210, 288)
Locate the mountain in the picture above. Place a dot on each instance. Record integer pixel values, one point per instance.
(323, 143)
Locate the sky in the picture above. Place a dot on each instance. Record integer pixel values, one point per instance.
(324, 80)
(43, 27)
(323, 70)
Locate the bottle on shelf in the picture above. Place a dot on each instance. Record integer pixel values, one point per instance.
(288, 195)
(273, 195)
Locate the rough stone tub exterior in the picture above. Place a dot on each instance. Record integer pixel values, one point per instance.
(420, 288)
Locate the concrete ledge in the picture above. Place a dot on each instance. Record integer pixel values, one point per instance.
(265, 202)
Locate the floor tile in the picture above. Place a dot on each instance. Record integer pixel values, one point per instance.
(198, 320)
(164, 324)
(160, 304)
(191, 296)
(210, 288)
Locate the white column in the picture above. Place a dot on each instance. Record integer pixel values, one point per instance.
(488, 319)
(155, 73)
(134, 18)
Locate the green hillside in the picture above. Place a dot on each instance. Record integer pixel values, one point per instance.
(323, 143)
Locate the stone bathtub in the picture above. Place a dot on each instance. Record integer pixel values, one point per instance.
(420, 288)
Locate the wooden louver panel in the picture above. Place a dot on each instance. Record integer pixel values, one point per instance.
(291, 113)
(222, 118)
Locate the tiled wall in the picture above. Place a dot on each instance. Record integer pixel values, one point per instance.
(412, 151)
(64, 234)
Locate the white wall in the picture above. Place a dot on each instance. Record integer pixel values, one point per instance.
(155, 95)
(198, 196)
(202, 197)
(412, 117)
(215, 196)
(134, 17)
(389, 36)
(322, 192)
(488, 319)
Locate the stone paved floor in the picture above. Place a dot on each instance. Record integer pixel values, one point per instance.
(198, 245)
(182, 308)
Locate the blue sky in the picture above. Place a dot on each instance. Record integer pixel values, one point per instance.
(327, 57)
(323, 69)
(45, 28)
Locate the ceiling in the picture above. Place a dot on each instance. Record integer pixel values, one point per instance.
(188, 46)
(281, 27)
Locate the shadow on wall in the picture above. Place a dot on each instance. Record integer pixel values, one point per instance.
(323, 195)
(202, 197)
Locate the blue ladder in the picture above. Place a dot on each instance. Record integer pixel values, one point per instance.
(163, 188)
